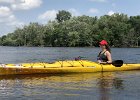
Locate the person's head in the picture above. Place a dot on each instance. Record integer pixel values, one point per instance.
(104, 45)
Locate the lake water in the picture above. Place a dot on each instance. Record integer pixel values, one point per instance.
(123, 85)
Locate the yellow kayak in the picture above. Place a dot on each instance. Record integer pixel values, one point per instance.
(58, 67)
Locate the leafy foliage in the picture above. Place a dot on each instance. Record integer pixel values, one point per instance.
(63, 16)
(118, 29)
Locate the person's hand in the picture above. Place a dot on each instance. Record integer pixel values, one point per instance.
(109, 62)
(99, 61)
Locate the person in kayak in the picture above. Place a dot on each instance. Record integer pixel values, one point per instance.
(105, 54)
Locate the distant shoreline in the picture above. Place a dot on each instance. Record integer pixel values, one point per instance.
(68, 47)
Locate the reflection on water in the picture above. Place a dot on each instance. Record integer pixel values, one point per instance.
(106, 83)
(88, 86)
(80, 86)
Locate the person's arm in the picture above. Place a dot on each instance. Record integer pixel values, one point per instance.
(108, 54)
(98, 58)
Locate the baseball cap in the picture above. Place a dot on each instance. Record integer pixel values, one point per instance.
(103, 42)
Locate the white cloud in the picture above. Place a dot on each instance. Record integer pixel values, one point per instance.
(22, 4)
(5, 11)
(111, 13)
(26, 4)
(9, 21)
(7, 17)
(48, 15)
(93, 10)
(98, 0)
(74, 12)
(7, 1)
(12, 21)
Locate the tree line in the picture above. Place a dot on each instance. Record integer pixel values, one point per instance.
(67, 31)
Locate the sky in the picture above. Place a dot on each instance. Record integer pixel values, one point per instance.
(17, 13)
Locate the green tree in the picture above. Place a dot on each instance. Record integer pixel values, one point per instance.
(63, 16)
(135, 22)
(33, 34)
(73, 39)
(118, 29)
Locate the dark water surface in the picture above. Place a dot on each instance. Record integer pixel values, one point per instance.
(123, 85)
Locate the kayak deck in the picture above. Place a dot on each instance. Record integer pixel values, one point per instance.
(70, 66)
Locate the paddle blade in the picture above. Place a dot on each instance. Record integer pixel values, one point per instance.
(117, 63)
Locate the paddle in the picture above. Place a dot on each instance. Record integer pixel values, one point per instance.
(117, 63)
